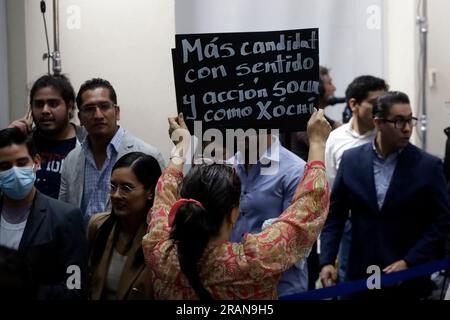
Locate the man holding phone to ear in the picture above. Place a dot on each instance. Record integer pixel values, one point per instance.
(52, 102)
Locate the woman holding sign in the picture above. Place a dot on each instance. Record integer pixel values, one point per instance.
(187, 244)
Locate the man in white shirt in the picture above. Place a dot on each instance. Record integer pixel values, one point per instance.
(361, 95)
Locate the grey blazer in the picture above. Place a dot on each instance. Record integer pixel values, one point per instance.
(72, 176)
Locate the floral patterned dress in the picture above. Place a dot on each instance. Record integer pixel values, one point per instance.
(246, 270)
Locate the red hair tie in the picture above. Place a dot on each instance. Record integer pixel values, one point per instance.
(177, 204)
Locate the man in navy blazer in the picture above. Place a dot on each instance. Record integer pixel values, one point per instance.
(47, 233)
(398, 201)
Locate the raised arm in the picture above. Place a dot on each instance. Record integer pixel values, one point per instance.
(24, 124)
(167, 189)
(291, 236)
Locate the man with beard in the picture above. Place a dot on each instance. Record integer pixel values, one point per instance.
(52, 101)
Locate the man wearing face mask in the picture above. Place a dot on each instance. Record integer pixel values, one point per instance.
(47, 232)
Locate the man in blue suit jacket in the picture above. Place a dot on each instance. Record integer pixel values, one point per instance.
(398, 200)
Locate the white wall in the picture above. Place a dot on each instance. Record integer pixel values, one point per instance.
(125, 42)
(350, 31)
(438, 60)
(16, 48)
(402, 38)
(403, 64)
(4, 101)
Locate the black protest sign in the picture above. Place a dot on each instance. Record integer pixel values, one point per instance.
(247, 80)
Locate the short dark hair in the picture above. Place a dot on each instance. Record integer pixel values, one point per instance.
(58, 82)
(323, 71)
(360, 87)
(386, 101)
(94, 84)
(10, 136)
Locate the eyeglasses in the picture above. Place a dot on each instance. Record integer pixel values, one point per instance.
(90, 109)
(51, 103)
(400, 123)
(124, 189)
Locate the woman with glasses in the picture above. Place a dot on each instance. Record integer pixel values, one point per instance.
(187, 244)
(116, 262)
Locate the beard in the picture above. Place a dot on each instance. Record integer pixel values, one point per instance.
(55, 129)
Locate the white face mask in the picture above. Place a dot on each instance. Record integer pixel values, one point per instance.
(16, 183)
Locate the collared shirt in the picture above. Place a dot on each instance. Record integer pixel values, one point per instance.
(97, 182)
(383, 169)
(340, 140)
(266, 190)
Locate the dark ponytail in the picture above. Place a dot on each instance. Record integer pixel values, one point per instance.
(217, 188)
(191, 231)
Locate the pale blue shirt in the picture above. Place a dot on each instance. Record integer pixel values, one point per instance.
(97, 182)
(266, 191)
(383, 169)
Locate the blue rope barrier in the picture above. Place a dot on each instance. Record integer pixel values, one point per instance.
(348, 288)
